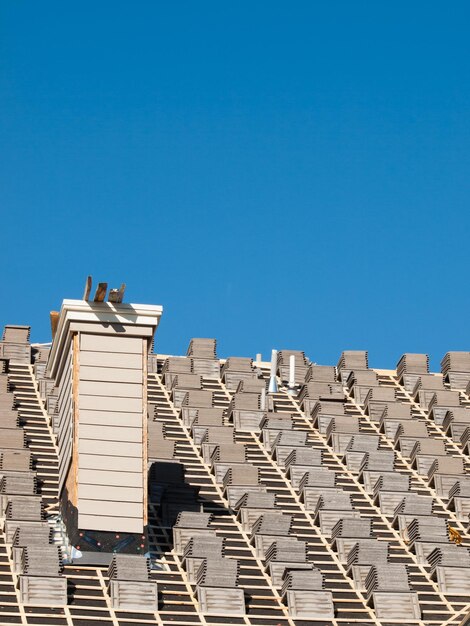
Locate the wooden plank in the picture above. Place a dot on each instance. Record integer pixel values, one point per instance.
(110, 418)
(112, 493)
(116, 524)
(110, 359)
(116, 295)
(110, 509)
(145, 428)
(109, 478)
(110, 448)
(110, 433)
(97, 463)
(88, 284)
(100, 293)
(54, 315)
(113, 390)
(72, 476)
(110, 343)
(110, 374)
(105, 403)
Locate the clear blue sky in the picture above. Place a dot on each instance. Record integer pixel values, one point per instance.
(275, 174)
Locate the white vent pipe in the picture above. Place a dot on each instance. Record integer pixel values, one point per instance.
(263, 399)
(272, 379)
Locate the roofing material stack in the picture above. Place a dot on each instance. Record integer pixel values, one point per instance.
(199, 548)
(174, 365)
(301, 460)
(224, 456)
(22, 510)
(389, 490)
(15, 344)
(235, 370)
(159, 448)
(130, 587)
(426, 533)
(389, 591)
(251, 506)
(188, 526)
(351, 360)
(269, 526)
(40, 581)
(241, 479)
(389, 415)
(363, 555)
(283, 365)
(410, 367)
(314, 391)
(459, 499)
(455, 422)
(450, 567)
(455, 367)
(347, 532)
(194, 400)
(217, 587)
(16, 484)
(202, 353)
(444, 472)
(33, 535)
(331, 507)
(305, 595)
(412, 506)
(181, 384)
(286, 553)
(245, 410)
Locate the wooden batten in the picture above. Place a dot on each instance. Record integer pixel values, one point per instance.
(54, 315)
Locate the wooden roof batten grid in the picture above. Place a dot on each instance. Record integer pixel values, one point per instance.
(190, 446)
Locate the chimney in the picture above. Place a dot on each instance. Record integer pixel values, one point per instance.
(98, 360)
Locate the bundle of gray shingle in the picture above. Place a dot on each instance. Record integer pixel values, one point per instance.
(188, 526)
(40, 581)
(314, 391)
(15, 344)
(455, 367)
(236, 370)
(301, 365)
(182, 383)
(199, 548)
(245, 409)
(362, 556)
(459, 498)
(424, 533)
(347, 532)
(174, 365)
(203, 356)
(130, 587)
(304, 593)
(409, 367)
(285, 553)
(351, 360)
(388, 590)
(159, 448)
(217, 587)
(450, 567)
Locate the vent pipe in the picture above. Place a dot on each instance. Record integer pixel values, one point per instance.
(291, 383)
(272, 379)
(263, 399)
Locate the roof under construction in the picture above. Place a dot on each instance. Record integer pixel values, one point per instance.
(277, 492)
